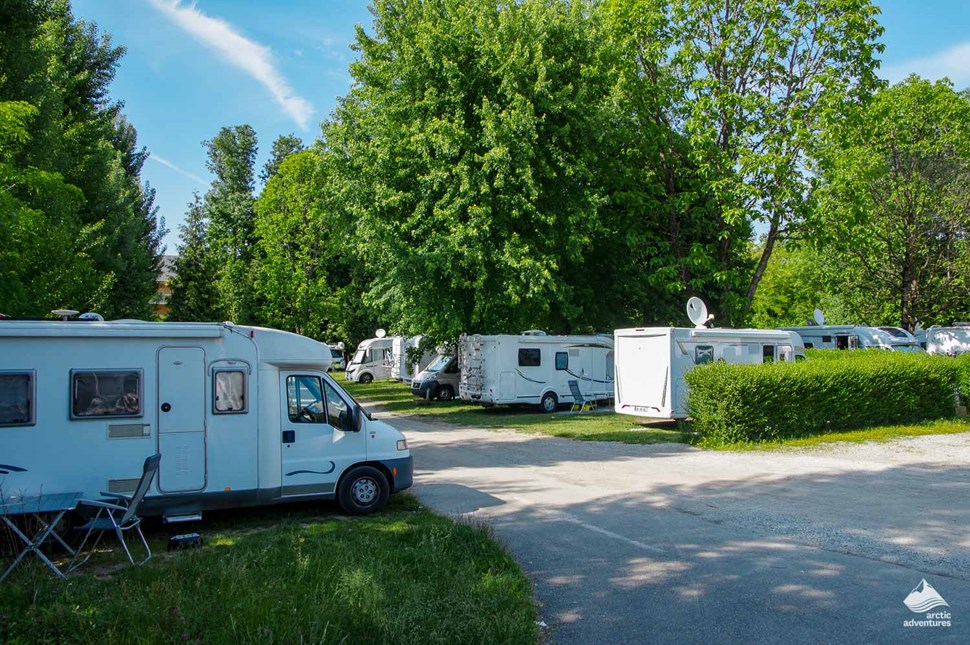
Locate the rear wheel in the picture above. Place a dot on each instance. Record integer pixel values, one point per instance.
(363, 490)
(365, 378)
(549, 402)
(446, 393)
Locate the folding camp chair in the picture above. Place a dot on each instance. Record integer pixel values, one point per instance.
(118, 517)
(579, 401)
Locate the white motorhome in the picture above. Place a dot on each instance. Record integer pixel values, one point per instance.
(440, 379)
(373, 360)
(848, 337)
(651, 362)
(950, 341)
(534, 368)
(401, 349)
(241, 416)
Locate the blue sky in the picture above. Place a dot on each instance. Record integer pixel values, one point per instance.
(194, 67)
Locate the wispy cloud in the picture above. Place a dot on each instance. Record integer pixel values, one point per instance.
(251, 57)
(168, 164)
(953, 62)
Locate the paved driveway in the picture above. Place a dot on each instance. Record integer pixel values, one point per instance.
(668, 543)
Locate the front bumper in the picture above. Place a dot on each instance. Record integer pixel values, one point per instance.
(402, 472)
(425, 389)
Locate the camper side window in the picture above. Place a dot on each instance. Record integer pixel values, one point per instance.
(703, 354)
(16, 398)
(562, 361)
(338, 414)
(768, 354)
(304, 400)
(114, 393)
(229, 392)
(530, 357)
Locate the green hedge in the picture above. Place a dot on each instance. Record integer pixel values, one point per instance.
(826, 393)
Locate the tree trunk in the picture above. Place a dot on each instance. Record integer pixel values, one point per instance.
(773, 231)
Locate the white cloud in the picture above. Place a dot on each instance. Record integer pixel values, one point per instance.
(168, 164)
(253, 58)
(953, 62)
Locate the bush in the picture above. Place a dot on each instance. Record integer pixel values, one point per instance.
(827, 393)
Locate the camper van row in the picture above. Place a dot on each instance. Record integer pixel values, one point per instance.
(241, 416)
(248, 416)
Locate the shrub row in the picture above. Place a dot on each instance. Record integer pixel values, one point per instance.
(859, 389)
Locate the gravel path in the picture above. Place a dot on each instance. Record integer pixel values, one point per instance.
(773, 545)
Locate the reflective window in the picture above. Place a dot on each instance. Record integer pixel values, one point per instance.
(562, 361)
(115, 393)
(229, 388)
(530, 358)
(338, 414)
(304, 402)
(16, 398)
(703, 354)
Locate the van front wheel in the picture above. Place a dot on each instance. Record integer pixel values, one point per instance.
(365, 379)
(363, 490)
(446, 393)
(549, 402)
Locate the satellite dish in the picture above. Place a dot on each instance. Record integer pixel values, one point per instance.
(91, 316)
(341, 346)
(697, 312)
(64, 313)
(380, 333)
(819, 317)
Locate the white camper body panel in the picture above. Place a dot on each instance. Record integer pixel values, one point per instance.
(399, 357)
(373, 360)
(211, 398)
(506, 369)
(847, 337)
(651, 362)
(949, 341)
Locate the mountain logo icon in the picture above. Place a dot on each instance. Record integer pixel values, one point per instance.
(924, 598)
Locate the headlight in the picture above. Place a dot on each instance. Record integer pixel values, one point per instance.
(402, 444)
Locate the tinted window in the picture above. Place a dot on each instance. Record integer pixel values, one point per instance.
(16, 399)
(703, 354)
(106, 394)
(562, 361)
(530, 358)
(229, 389)
(768, 354)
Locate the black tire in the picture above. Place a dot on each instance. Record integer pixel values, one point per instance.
(549, 402)
(446, 393)
(365, 378)
(363, 490)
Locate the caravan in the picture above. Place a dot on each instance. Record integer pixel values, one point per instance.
(949, 341)
(534, 368)
(825, 336)
(241, 416)
(651, 362)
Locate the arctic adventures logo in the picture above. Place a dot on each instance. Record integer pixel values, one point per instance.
(923, 600)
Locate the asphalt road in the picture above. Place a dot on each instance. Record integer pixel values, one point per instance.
(666, 543)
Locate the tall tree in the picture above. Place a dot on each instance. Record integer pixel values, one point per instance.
(895, 205)
(194, 290)
(229, 209)
(284, 146)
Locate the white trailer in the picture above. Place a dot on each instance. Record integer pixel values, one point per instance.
(401, 348)
(241, 416)
(534, 368)
(949, 341)
(849, 337)
(651, 362)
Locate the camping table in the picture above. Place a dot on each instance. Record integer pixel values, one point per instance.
(58, 504)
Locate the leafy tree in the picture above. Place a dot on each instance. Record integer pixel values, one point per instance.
(284, 146)
(894, 209)
(194, 292)
(229, 210)
(753, 84)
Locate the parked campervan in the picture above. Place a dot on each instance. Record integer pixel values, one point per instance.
(440, 379)
(651, 362)
(950, 341)
(338, 361)
(824, 336)
(406, 362)
(241, 416)
(374, 359)
(534, 368)
(901, 340)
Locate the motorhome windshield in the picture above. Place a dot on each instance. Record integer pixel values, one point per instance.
(439, 363)
(359, 357)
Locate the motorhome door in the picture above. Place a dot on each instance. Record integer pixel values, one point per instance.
(318, 440)
(181, 418)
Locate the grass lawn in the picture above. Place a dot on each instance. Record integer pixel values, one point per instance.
(391, 396)
(880, 434)
(286, 574)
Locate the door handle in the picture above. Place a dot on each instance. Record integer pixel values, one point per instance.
(289, 436)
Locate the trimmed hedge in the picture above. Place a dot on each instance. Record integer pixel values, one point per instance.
(827, 393)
